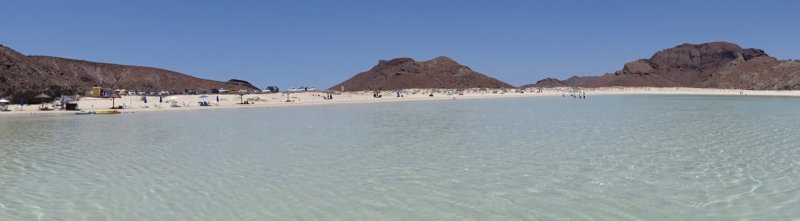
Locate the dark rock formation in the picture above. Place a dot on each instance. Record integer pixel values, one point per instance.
(751, 53)
(547, 82)
(640, 67)
(403, 73)
(236, 83)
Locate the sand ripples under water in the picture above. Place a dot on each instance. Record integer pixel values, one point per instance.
(604, 158)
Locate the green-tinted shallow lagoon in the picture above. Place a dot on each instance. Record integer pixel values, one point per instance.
(604, 158)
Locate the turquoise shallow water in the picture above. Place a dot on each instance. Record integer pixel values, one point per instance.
(604, 158)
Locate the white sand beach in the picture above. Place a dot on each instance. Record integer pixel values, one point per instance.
(134, 104)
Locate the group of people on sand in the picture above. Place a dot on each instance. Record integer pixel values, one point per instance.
(578, 95)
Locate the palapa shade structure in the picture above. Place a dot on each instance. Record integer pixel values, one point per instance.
(41, 98)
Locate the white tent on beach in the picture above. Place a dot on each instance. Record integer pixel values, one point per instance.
(174, 101)
(4, 104)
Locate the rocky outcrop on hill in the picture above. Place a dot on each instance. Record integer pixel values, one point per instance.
(236, 83)
(709, 65)
(403, 73)
(25, 76)
(547, 82)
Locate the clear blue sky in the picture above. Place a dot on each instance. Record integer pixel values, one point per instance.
(320, 43)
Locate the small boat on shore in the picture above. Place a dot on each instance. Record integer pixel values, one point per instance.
(107, 111)
(84, 112)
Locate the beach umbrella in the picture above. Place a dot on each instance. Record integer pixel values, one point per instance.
(42, 97)
(203, 96)
(4, 101)
(113, 100)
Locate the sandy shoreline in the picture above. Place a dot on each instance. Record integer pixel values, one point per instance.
(134, 104)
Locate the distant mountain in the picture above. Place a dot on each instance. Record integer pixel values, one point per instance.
(26, 76)
(403, 73)
(708, 65)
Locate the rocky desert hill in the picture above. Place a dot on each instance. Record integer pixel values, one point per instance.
(404, 73)
(25, 76)
(708, 65)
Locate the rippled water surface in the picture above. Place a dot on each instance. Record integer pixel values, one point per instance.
(604, 158)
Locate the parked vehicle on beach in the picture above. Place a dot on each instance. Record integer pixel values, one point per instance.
(271, 89)
(302, 89)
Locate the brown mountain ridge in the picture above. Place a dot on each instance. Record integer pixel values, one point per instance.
(404, 73)
(24, 76)
(708, 65)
